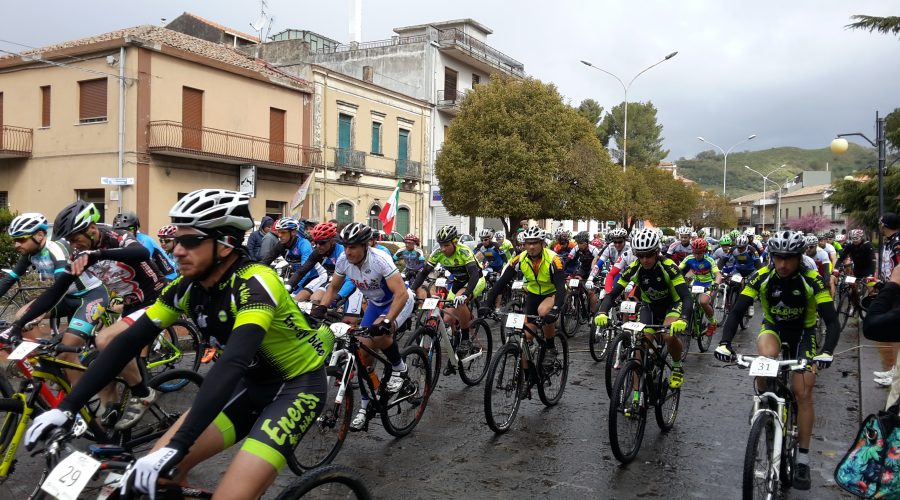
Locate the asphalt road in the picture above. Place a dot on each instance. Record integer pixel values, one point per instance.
(564, 451)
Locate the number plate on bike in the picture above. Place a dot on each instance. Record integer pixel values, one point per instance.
(698, 289)
(440, 282)
(850, 280)
(517, 285)
(306, 307)
(628, 306)
(516, 321)
(763, 367)
(633, 326)
(574, 283)
(737, 278)
(430, 303)
(340, 329)
(485, 272)
(67, 479)
(23, 350)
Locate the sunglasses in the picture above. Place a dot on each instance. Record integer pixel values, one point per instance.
(165, 241)
(321, 243)
(191, 241)
(21, 239)
(644, 255)
(485, 239)
(620, 242)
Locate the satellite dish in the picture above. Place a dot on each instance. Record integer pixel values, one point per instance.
(259, 23)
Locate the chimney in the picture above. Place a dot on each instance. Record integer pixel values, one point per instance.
(355, 21)
(368, 74)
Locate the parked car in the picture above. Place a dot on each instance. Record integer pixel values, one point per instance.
(468, 240)
(393, 241)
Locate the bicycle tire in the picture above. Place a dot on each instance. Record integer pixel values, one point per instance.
(789, 449)
(11, 414)
(474, 371)
(704, 341)
(761, 432)
(560, 368)
(187, 356)
(426, 338)
(598, 343)
(313, 479)
(619, 351)
(412, 399)
(569, 318)
(509, 380)
(622, 396)
(718, 303)
(324, 439)
(665, 408)
(843, 310)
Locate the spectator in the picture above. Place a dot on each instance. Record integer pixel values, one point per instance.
(254, 244)
(881, 321)
(269, 248)
(890, 233)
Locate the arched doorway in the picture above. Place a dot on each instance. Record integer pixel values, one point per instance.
(374, 212)
(344, 212)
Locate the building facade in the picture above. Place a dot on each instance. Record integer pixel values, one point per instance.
(162, 112)
(806, 194)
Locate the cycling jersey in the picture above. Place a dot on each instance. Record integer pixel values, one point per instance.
(745, 262)
(158, 256)
(704, 268)
(323, 265)
(563, 250)
(829, 250)
(137, 283)
(678, 251)
(413, 260)
(461, 265)
(579, 262)
(863, 257)
(539, 272)
(297, 254)
(611, 254)
(49, 262)
(507, 248)
(369, 276)
(823, 263)
(662, 288)
(492, 254)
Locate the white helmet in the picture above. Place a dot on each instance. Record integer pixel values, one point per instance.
(27, 224)
(741, 241)
(646, 240)
(218, 209)
(562, 232)
(693, 235)
(500, 235)
(485, 233)
(533, 233)
(520, 237)
(683, 231)
(618, 233)
(811, 240)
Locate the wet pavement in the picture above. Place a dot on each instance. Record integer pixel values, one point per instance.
(564, 451)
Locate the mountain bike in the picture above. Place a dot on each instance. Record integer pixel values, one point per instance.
(696, 330)
(642, 382)
(518, 366)
(733, 288)
(851, 296)
(621, 343)
(576, 311)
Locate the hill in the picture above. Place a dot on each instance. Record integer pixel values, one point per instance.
(706, 168)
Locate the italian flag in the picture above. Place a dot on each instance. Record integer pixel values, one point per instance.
(389, 210)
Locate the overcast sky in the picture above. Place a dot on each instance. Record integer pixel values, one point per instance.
(784, 70)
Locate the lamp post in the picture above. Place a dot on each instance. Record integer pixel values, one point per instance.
(840, 145)
(778, 197)
(625, 88)
(725, 153)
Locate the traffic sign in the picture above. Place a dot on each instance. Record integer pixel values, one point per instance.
(117, 181)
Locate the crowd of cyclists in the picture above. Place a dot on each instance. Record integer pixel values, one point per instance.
(272, 367)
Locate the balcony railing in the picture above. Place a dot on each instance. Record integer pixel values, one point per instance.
(169, 137)
(396, 40)
(757, 220)
(408, 169)
(15, 142)
(450, 100)
(479, 50)
(349, 159)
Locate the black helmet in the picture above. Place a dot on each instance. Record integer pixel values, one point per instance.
(447, 234)
(75, 218)
(126, 220)
(786, 243)
(583, 237)
(355, 234)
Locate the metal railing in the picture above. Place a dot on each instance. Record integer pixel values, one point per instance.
(757, 220)
(349, 159)
(480, 50)
(451, 98)
(172, 136)
(16, 141)
(396, 40)
(408, 169)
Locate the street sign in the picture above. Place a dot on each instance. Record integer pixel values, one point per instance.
(117, 181)
(247, 183)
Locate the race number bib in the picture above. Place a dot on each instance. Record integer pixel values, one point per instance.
(737, 278)
(628, 307)
(517, 285)
(306, 307)
(70, 476)
(850, 280)
(440, 282)
(573, 283)
(430, 303)
(698, 289)
(634, 326)
(515, 321)
(763, 367)
(23, 350)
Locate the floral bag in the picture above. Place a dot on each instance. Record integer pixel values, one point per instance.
(871, 467)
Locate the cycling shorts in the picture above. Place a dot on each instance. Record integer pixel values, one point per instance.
(352, 304)
(479, 289)
(801, 341)
(533, 300)
(272, 416)
(656, 314)
(84, 311)
(316, 283)
(374, 311)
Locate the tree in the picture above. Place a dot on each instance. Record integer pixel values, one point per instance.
(713, 210)
(860, 199)
(652, 194)
(887, 25)
(8, 255)
(809, 223)
(892, 129)
(517, 151)
(644, 133)
(591, 110)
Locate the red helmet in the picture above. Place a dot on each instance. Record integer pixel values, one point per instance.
(323, 231)
(699, 245)
(167, 231)
(411, 238)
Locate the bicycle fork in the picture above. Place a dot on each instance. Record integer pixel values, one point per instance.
(779, 415)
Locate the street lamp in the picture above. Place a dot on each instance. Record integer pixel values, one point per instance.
(725, 170)
(777, 198)
(625, 88)
(840, 145)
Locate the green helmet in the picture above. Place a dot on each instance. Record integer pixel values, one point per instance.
(75, 218)
(725, 240)
(734, 234)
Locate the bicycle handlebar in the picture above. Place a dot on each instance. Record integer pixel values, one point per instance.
(744, 360)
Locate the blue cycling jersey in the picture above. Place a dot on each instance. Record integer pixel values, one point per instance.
(158, 256)
(413, 260)
(493, 255)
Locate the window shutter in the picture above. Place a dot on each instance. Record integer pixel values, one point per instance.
(276, 135)
(191, 118)
(45, 106)
(92, 102)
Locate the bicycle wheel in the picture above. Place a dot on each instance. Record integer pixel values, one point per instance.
(323, 440)
(843, 310)
(503, 388)
(473, 365)
(619, 351)
(426, 338)
(176, 347)
(568, 319)
(403, 410)
(11, 410)
(165, 410)
(599, 342)
(331, 481)
(759, 479)
(789, 448)
(627, 413)
(666, 405)
(553, 382)
(719, 310)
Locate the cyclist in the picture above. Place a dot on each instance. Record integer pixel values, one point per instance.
(545, 285)
(389, 302)
(666, 296)
(506, 246)
(85, 297)
(413, 259)
(743, 259)
(467, 282)
(323, 260)
(129, 222)
(581, 263)
(791, 296)
(681, 248)
(706, 274)
(818, 255)
(861, 255)
(617, 245)
(294, 245)
(166, 235)
(269, 382)
(599, 240)
(490, 252)
(723, 251)
(562, 244)
(373, 242)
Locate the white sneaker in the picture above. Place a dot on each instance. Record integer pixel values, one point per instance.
(750, 312)
(884, 382)
(887, 373)
(359, 421)
(396, 381)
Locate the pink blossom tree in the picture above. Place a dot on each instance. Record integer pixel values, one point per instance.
(809, 223)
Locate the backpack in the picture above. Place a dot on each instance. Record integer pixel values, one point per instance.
(871, 467)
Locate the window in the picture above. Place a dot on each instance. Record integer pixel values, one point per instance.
(376, 138)
(402, 223)
(191, 118)
(833, 213)
(344, 213)
(92, 101)
(814, 210)
(475, 80)
(4, 199)
(450, 78)
(275, 209)
(45, 106)
(95, 196)
(276, 134)
(799, 211)
(374, 221)
(403, 145)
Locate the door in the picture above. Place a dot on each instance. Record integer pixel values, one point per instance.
(191, 118)
(276, 135)
(402, 223)
(450, 78)
(345, 127)
(344, 213)
(374, 221)
(403, 153)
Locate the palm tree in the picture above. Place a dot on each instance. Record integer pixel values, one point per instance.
(888, 25)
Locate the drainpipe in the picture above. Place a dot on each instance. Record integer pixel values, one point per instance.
(121, 121)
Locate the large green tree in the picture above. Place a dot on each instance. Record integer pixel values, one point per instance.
(644, 133)
(713, 210)
(517, 151)
(892, 129)
(652, 194)
(860, 199)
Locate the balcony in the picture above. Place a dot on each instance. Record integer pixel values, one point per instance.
(455, 43)
(449, 101)
(757, 220)
(15, 142)
(408, 170)
(349, 159)
(174, 139)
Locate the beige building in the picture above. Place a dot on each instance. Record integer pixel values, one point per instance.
(161, 111)
(372, 138)
(754, 210)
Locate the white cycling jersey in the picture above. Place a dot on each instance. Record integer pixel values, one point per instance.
(370, 276)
